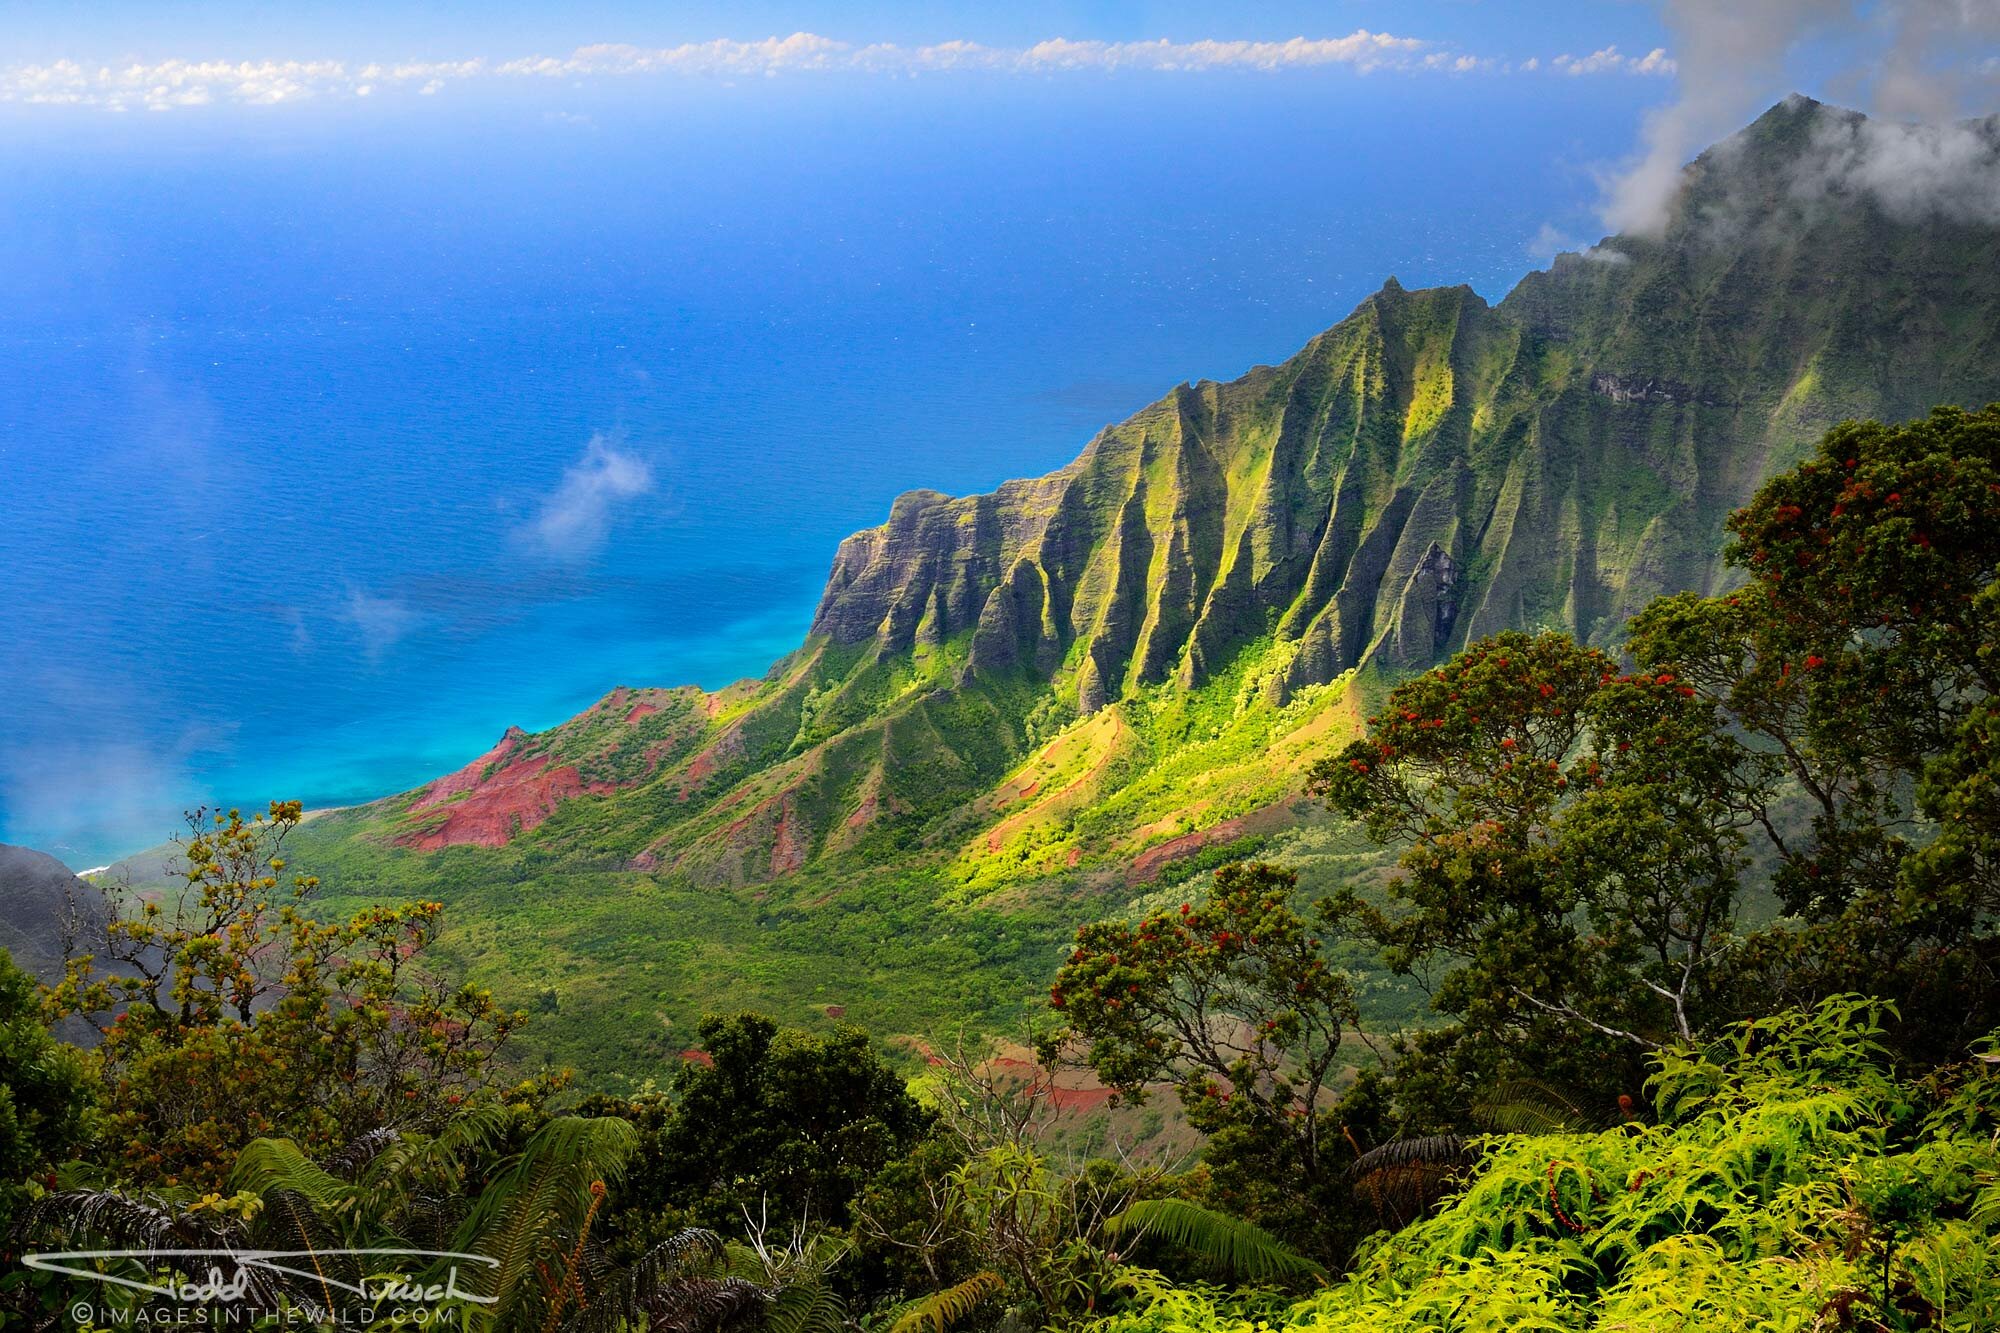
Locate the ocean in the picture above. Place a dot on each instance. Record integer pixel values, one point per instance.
(334, 442)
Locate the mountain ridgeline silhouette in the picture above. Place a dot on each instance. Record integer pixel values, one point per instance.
(1134, 656)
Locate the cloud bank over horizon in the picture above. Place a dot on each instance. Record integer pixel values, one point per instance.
(167, 85)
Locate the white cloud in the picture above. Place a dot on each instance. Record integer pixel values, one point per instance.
(83, 793)
(1549, 242)
(1608, 60)
(176, 83)
(1361, 49)
(575, 519)
(98, 762)
(1731, 62)
(1911, 172)
(382, 622)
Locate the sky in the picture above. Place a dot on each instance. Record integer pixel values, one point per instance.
(362, 29)
(1923, 60)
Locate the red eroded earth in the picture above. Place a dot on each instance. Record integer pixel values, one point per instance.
(492, 799)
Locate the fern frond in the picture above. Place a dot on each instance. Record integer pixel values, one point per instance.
(806, 1307)
(940, 1310)
(349, 1161)
(321, 1271)
(269, 1166)
(1429, 1150)
(128, 1221)
(1401, 1179)
(1528, 1106)
(530, 1217)
(630, 1298)
(1242, 1247)
(703, 1305)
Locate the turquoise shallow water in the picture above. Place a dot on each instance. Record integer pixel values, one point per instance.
(297, 415)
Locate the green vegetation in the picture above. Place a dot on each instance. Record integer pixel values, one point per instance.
(47, 1095)
(1791, 1182)
(1015, 710)
(1536, 918)
(234, 1011)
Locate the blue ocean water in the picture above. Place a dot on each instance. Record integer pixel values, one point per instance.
(333, 444)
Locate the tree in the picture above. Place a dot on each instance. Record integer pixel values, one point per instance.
(1575, 836)
(980, 1209)
(1572, 844)
(47, 1094)
(1232, 1002)
(232, 1012)
(1861, 660)
(779, 1126)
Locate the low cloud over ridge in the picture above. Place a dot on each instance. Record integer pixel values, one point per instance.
(1731, 62)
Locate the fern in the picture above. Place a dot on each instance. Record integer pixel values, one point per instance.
(1527, 1106)
(1403, 1178)
(1789, 1184)
(321, 1272)
(940, 1310)
(528, 1219)
(679, 1286)
(272, 1166)
(806, 1307)
(1241, 1247)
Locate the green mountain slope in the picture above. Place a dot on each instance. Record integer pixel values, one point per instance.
(1020, 709)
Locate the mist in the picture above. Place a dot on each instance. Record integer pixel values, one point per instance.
(1922, 64)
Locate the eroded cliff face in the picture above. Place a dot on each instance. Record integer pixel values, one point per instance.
(1305, 499)
(1430, 470)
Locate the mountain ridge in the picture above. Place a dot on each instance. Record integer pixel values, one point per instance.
(1016, 707)
(1431, 469)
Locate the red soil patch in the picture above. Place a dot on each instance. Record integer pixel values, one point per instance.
(1147, 864)
(694, 1057)
(703, 765)
(465, 779)
(1007, 797)
(788, 851)
(488, 808)
(1078, 1099)
(639, 711)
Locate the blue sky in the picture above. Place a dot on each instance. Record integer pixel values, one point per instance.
(1913, 59)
